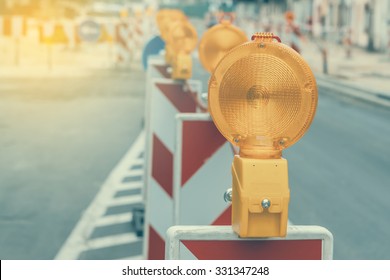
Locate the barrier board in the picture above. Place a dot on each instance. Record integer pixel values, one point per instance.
(221, 243)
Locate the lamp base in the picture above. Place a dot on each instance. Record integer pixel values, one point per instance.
(182, 66)
(260, 197)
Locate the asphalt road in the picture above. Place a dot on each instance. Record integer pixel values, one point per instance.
(59, 139)
(340, 176)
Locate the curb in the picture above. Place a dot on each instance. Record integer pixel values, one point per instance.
(379, 98)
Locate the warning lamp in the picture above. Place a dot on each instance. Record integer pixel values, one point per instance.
(165, 19)
(262, 98)
(181, 42)
(217, 41)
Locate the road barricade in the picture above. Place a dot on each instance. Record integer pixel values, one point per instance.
(124, 50)
(13, 26)
(167, 99)
(201, 172)
(221, 243)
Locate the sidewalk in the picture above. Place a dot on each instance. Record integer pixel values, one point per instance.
(364, 75)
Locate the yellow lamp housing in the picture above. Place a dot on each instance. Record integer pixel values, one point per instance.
(169, 54)
(165, 18)
(217, 41)
(262, 98)
(182, 41)
(182, 66)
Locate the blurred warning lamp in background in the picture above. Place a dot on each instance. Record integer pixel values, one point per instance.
(165, 18)
(262, 98)
(182, 41)
(217, 41)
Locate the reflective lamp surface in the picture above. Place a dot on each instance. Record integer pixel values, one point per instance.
(217, 41)
(165, 18)
(262, 97)
(182, 37)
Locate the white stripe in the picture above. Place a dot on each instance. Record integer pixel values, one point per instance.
(129, 186)
(138, 257)
(1, 26)
(125, 200)
(134, 173)
(159, 208)
(114, 219)
(113, 240)
(17, 26)
(76, 241)
(163, 112)
(139, 161)
(213, 178)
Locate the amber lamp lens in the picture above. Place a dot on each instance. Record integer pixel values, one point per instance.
(217, 41)
(262, 97)
(165, 18)
(182, 37)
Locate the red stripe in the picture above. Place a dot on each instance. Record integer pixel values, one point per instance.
(201, 139)
(179, 98)
(163, 70)
(7, 26)
(119, 39)
(162, 165)
(255, 250)
(225, 219)
(156, 249)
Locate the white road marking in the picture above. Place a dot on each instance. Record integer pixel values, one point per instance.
(139, 161)
(138, 257)
(119, 201)
(134, 173)
(129, 186)
(112, 240)
(78, 241)
(114, 219)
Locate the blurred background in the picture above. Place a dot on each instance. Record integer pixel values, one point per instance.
(72, 90)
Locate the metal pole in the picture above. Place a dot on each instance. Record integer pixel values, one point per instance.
(49, 56)
(17, 51)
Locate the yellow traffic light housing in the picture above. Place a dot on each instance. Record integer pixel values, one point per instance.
(182, 41)
(165, 18)
(262, 98)
(217, 41)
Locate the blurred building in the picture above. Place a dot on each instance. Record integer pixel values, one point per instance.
(363, 23)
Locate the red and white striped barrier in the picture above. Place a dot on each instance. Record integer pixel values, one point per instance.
(69, 28)
(124, 51)
(167, 99)
(221, 243)
(202, 164)
(156, 69)
(13, 26)
(130, 38)
(137, 33)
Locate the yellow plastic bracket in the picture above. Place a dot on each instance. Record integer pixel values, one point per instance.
(182, 67)
(256, 181)
(169, 54)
